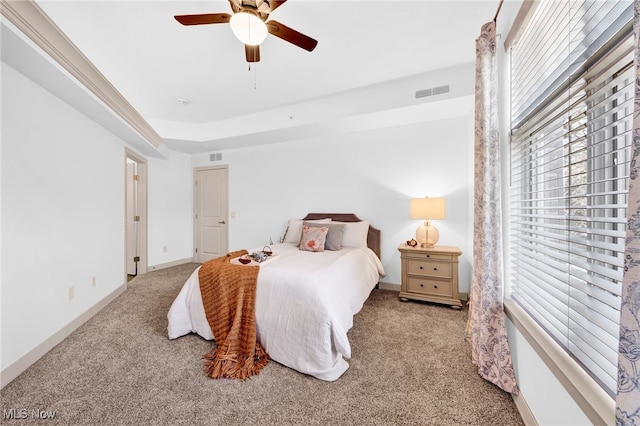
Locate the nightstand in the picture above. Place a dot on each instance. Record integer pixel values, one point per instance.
(430, 274)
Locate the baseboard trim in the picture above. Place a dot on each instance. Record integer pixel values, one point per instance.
(523, 408)
(389, 286)
(170, 264)
(18, 367)
(396, 287)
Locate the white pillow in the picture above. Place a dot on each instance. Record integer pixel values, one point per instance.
(294, 231)
(355, 233)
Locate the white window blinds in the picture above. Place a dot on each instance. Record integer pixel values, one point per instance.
(572, 110)
(558, 39)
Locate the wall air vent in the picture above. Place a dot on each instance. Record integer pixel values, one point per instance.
(432, 91)
(215, 157)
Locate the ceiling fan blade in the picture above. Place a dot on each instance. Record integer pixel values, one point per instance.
(252, 53)
(274, 4)
(292, 36)
(207, 18)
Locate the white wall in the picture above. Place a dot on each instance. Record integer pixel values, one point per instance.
(170, 208)
(62, 214)
(372, 173)
(545, 396)
(62, 220)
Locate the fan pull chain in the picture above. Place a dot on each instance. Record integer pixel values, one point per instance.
(255, 78)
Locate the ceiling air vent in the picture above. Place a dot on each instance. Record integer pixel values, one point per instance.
(215, 157)
(438, 90)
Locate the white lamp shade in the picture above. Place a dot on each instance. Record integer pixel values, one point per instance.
(427, 208)
(248, 28)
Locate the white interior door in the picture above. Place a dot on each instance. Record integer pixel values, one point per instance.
(211, 207)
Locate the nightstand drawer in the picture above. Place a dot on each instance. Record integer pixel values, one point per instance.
(428, 268)
(418, 285)
(429, 256)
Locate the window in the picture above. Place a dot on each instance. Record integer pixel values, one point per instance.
(572, 85)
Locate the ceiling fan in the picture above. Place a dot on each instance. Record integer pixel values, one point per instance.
(249, 24)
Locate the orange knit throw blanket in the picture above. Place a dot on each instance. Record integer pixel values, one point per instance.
(229, 299)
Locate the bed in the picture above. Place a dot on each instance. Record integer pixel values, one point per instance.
(305, 301)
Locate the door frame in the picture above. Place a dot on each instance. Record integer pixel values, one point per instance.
(195, 206)
(142, 205)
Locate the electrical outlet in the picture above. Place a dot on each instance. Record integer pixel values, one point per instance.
(70, 293)
(164, 249)
(93, 281)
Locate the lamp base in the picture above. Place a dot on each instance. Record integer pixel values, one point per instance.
(427, 235)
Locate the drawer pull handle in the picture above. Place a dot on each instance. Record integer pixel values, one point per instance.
(435, 269)
(421, 285)
(435, 286)
(421, 267)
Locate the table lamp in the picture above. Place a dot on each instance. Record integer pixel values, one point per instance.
(427, 209)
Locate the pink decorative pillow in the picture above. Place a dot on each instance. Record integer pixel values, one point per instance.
(313, 238)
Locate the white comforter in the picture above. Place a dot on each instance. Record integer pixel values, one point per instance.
(305, 303)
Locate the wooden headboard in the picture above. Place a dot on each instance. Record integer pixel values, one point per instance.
(373, 237)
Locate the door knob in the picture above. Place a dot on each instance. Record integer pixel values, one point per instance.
(222, 222)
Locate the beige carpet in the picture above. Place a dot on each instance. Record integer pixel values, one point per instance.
(409, 366)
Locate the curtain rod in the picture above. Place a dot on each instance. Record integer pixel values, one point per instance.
(498, 11)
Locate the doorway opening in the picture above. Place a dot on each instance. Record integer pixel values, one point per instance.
(135, 215)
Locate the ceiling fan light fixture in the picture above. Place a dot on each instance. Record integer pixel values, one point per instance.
(248, 28)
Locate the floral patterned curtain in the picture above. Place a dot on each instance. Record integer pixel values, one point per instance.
(486, 328)
(628, 396)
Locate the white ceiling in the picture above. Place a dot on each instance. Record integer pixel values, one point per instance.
(362, 46)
